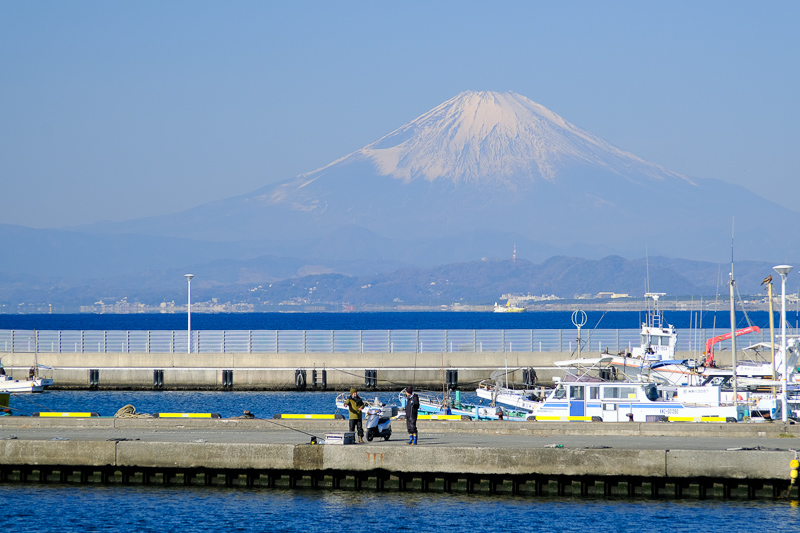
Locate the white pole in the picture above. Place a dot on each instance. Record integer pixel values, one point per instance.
(783, 270)
(189, 313)
(784, 414)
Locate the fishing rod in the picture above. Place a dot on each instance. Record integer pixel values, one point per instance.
(313, 437)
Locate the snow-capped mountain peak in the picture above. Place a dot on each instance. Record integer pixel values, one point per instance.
(491, 137)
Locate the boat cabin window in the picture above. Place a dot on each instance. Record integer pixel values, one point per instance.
(617, 393)
(576, 392)
(717, 380)
(655, 340)
(560, 392)
(594, 393)
(651, 392)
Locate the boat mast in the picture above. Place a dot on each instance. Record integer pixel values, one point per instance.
(733, 341)
(771, 331)
(733, 325)
(445, 396)
(35, 354)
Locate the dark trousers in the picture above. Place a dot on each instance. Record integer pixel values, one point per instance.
(356, 423)
(411, 425)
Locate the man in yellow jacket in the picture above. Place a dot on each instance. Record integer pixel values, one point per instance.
(354, 406)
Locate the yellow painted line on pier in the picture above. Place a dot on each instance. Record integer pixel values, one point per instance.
(315, 417)
(697, 419)
(71, 415)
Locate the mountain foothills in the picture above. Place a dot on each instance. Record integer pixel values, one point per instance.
(462, 185)
(482, 282)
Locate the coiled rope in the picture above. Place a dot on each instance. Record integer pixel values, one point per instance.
(129, 411)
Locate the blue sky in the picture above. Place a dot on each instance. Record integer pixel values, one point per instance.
(116, 110)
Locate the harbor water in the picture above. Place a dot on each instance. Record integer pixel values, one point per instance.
(226, 404)
(69, 509)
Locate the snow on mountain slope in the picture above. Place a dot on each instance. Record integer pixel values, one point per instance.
(488, 163)
(495, 138)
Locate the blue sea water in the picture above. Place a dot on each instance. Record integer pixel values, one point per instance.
(70, 509)
(377, 321)
(227, 404)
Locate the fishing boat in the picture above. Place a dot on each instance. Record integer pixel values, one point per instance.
(656, 356)
(659, 342)
(508, 308)
(588, 393)
(434, 404)
(34, 383)
(449, 404)
(498, 390)
(751, 371)
(526, 399)
(636, 402)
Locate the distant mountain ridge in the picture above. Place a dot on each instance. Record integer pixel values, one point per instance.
(466, 182)
(268, 282)
(495, 163)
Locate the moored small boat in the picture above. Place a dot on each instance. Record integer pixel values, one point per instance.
(8, 384)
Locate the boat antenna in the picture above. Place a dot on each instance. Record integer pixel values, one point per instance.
(733, 324)
(732, 221)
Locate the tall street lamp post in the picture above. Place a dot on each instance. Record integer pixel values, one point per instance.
(189, 313)
(783, 270)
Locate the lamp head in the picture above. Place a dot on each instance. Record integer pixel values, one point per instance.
(190, 276)
(783, 270)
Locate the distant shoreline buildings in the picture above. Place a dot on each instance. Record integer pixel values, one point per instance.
(602, 301)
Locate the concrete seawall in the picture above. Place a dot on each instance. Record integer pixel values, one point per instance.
(663, 460)
(280, 371)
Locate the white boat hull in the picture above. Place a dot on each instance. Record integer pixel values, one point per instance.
(636, 402)
(516, 399)
(24, 385)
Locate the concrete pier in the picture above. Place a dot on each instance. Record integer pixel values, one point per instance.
(283, 371)
(659, 460)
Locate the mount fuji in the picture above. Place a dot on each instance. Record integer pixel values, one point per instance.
(475, 175)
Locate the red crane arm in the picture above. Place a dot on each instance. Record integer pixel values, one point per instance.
(714, 340)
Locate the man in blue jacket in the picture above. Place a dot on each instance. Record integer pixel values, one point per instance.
(412, 408)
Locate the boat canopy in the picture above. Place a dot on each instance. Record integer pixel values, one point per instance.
(584, 362)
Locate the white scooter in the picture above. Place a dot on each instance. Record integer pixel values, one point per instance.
(379, 422)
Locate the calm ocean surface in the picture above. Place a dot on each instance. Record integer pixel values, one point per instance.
(145, 509)
(379, 321)
(227, 404)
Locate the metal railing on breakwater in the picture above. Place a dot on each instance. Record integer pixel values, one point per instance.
(338, 341)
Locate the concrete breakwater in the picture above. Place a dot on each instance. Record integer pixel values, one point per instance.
(285, 371)
(745, 461)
